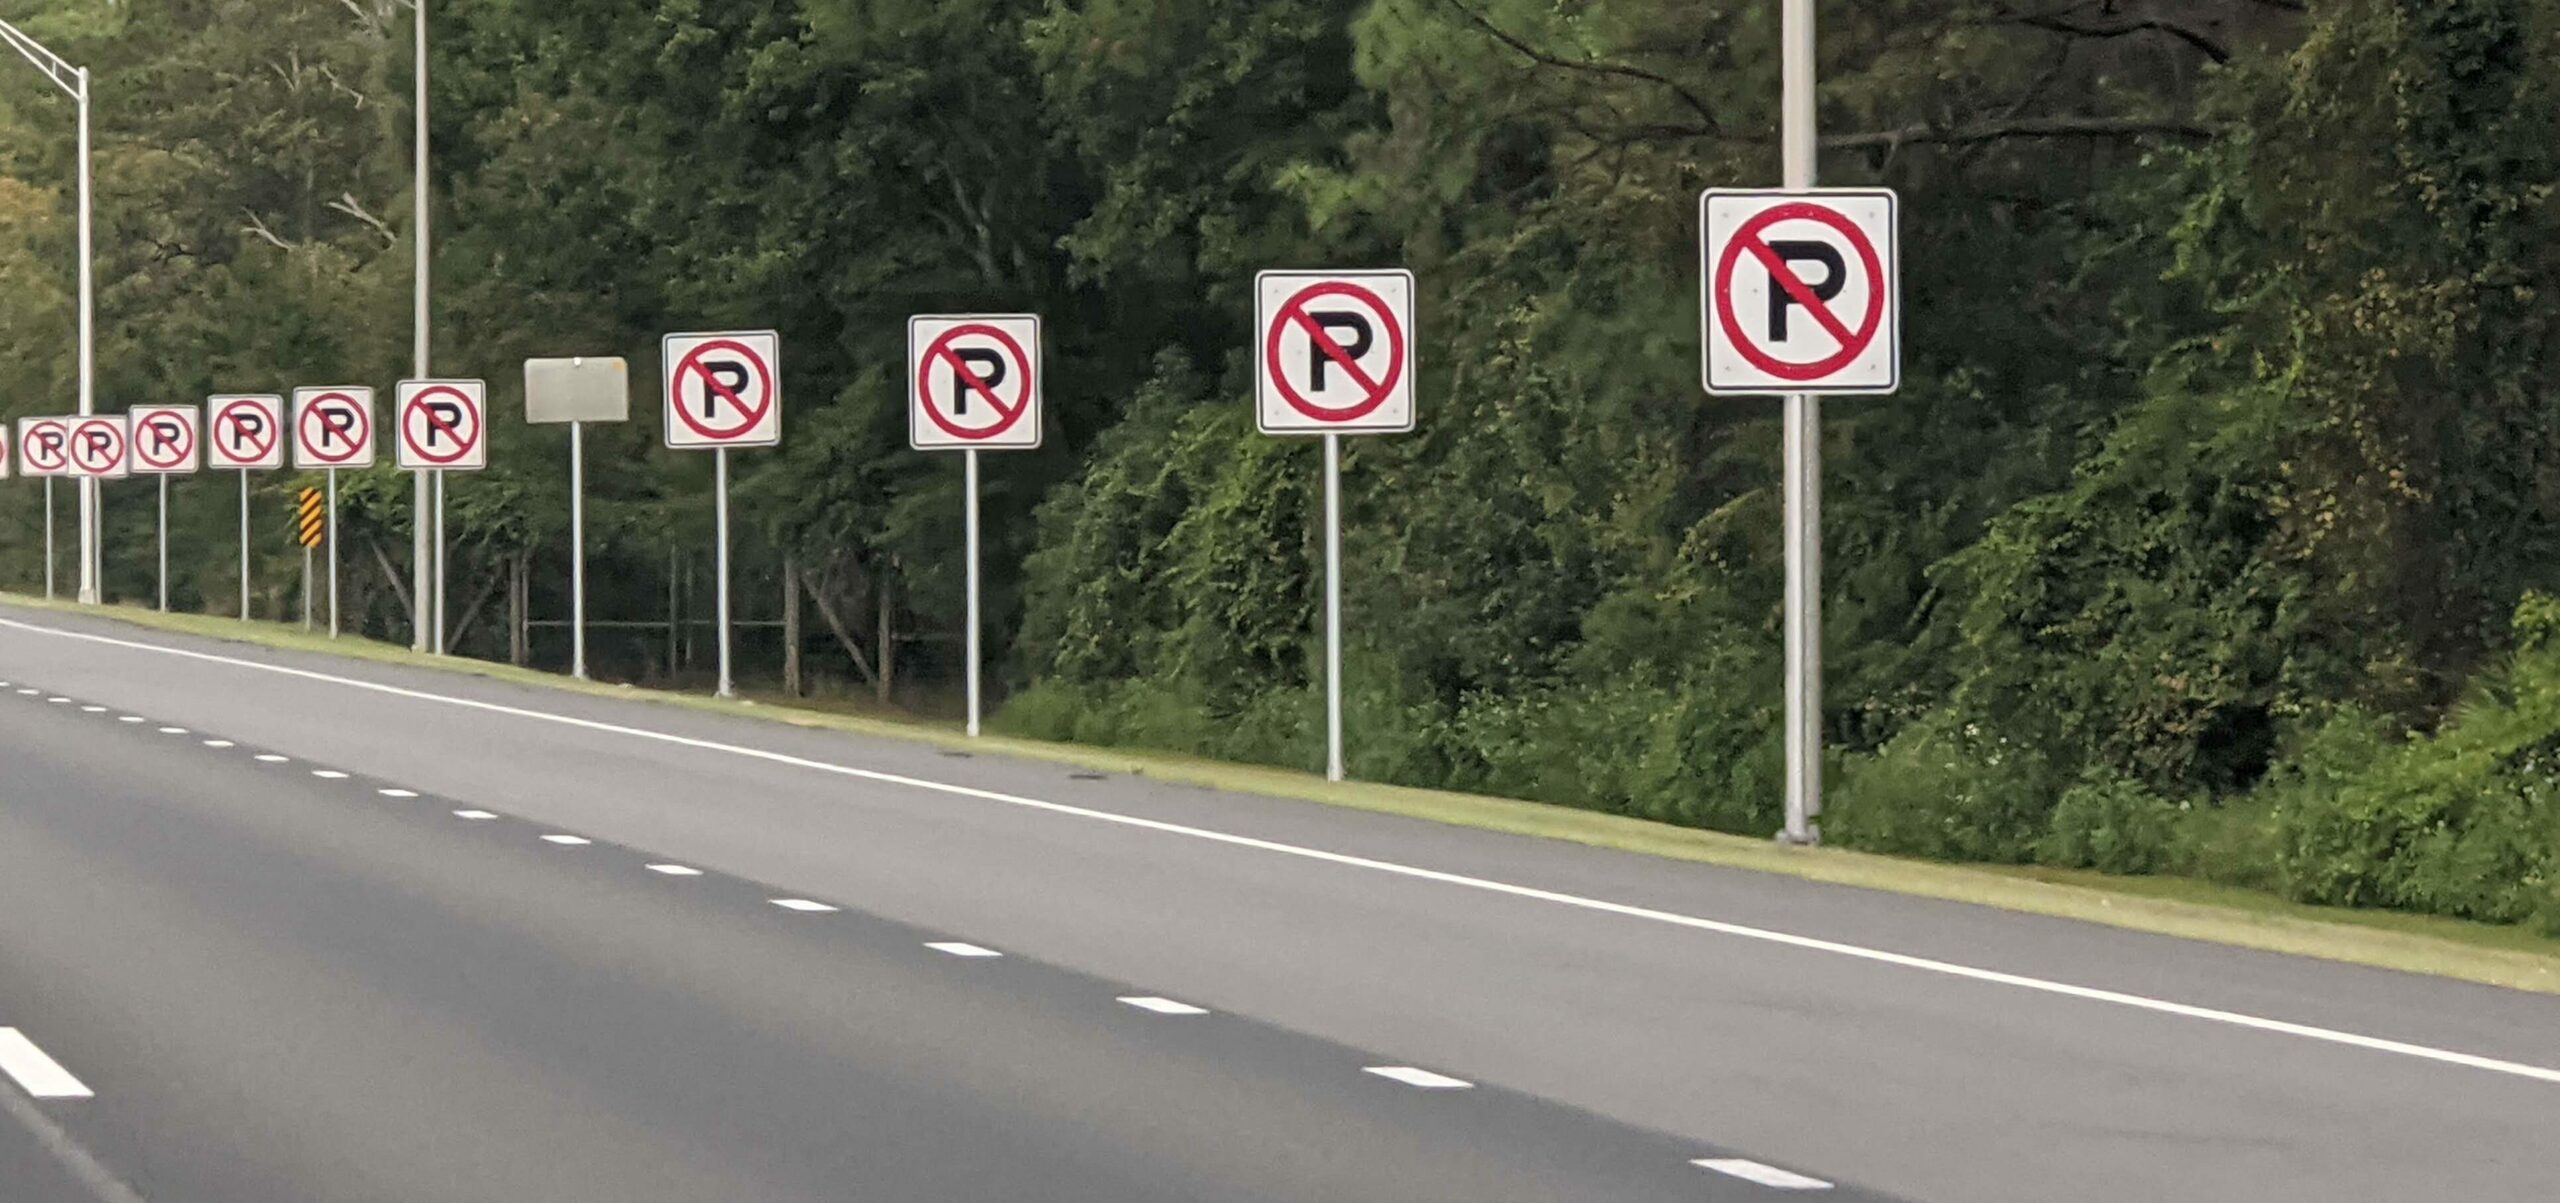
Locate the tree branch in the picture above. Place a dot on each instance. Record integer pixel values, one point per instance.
(1621, 70)
(2023, 127)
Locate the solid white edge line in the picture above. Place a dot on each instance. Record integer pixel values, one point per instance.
(1766, 1175)
(1741, 931)
(567, 841)
(1163, 1006)
(959, 948)
(802, 904)
(37, 1074)
(676, 870)
(1422, 1078)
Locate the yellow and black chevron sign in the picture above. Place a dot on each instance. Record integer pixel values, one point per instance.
(308, 521)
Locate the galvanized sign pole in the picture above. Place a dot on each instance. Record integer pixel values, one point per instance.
(577, 390)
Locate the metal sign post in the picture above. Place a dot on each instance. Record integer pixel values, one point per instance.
(333, 553)
(975, 384)
(723, 391)
(48, 538)
(1334, 356)
(309, 527)
(577, 390)
(443, 426)
(244, 546)
(165, 442)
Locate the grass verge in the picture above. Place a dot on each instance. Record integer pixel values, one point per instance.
(2500, 956)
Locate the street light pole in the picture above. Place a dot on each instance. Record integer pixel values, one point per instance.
(74, 82)
(89, 515)
(1803, 483)
(421, 547)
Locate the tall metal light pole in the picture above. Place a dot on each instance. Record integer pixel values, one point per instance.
(74, 82)
(421, 610)
(1803, 487)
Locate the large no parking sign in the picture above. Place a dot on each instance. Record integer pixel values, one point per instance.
(1335, 352)
(1802, 291)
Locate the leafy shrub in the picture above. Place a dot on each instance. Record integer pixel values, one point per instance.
(2111, 824)
(1939, 789)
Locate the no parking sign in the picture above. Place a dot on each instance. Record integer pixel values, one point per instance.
(443, 425)
(723, 390)
(245, 433)
(44, 445)
(973, 382)
(1802, 291)
(333, 428)
(1336, 352)
(164, 439)
(98, 446)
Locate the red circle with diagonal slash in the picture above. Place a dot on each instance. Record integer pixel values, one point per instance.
(462, 448)
(941, 350)
(1747, 240)
(35, 460)
(692, 362)
(81, 461)
(187, 450)
(312, 408)
(1294, 315)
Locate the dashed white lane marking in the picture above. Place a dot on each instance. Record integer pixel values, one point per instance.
(59, 701)
(131, 718)
(802, 904)
(397, 793)
(1164, 1006)
(478, 816)
(1877, 956)
(220, 743)
(30, 692)
(1766, 1175)
(177, 731)
(36, 1073)
(958, 949)
(93, 710)
(567, 841)
(676, 870)
(1423, 1078)
(272, 758)
(329, 774)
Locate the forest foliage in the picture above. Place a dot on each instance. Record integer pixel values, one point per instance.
(2212, 533)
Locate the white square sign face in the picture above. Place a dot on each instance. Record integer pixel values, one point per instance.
(244, 433)
(167, 439)
(99, 446)
(1803, 291)
(973, 382)
(1333, 352)
(44, 446)
(333, 428)
(723, 390)
(443, 425)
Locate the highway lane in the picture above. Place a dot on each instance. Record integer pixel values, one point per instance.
(284, 983)
(1933, 1085)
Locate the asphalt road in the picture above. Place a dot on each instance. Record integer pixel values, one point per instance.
(285, 984)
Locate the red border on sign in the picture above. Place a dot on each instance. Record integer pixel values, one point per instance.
(258, 406)
(302, 428)
(479, 425)
(1854, 343)
(115, 428)
(27, 446)
(185, 458)
(1293, 313)
(692, 362)
(941, 349)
